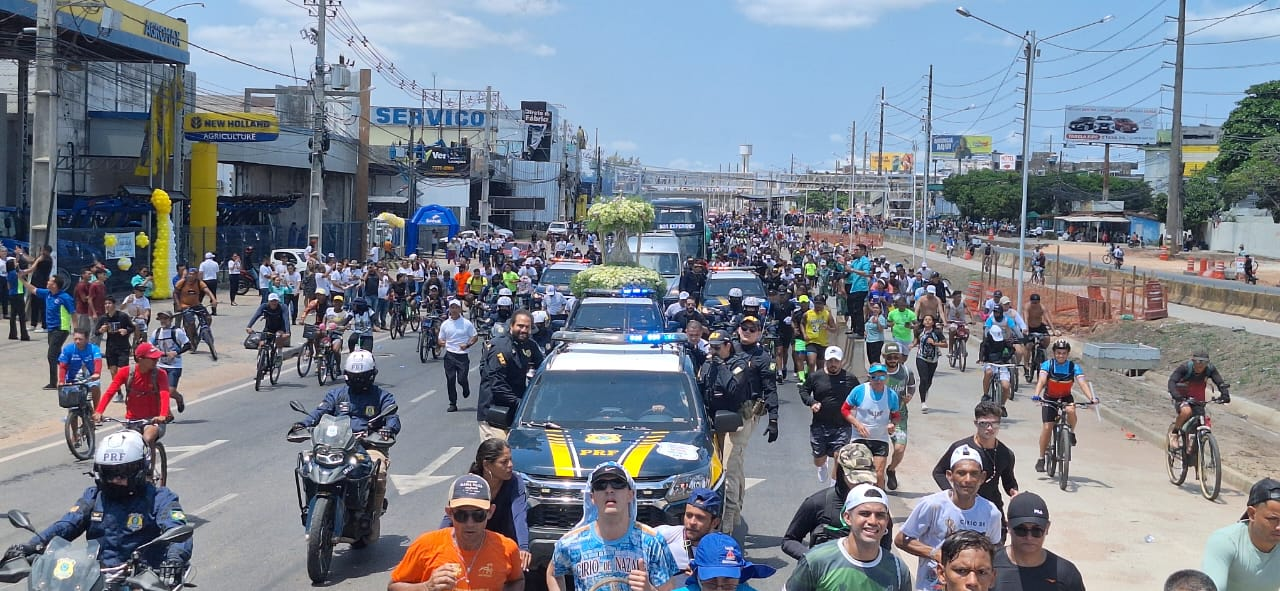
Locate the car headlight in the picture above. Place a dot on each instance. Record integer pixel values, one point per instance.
(682, 486)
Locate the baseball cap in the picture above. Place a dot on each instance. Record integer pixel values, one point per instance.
(1028, 508)
(139, 287)
(453, 303)
(804, 299)
(931, 289)
(1035, 297)
(878, 368)
(865, 493)
(749, 320)
(274, 297)
(162, 315)
(684, 295)
(1005, 300)
(891, 349)
(147, 351)
(718, 338)
(834, 352)
(1200, 354)
(208, 255)
(855, 459)
(1267, 489)
(469, 490)
(719, 555)
(334, 256)
(965, 452)
(997, 333)
(706, 499)
(611, 471)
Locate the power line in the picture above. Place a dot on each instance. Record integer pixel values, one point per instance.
(1228, 17)
(1104, 59)
(1090, 49)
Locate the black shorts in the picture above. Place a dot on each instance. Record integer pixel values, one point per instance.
(117, 358)
(814, 349)
(1049, 414)
(825, 440)
(877, 447)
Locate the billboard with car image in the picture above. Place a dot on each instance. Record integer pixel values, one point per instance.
(1134, 126)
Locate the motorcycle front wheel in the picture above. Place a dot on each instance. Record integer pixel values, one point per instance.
(320, 540)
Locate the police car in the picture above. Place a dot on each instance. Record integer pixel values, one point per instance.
(629, 398)
(715, 294)
(623, 310)
(561, 272)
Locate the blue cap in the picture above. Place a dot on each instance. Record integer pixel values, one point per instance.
(706, 499)
(879, 367)
(719, 555)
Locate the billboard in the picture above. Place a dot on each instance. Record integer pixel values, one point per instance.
(230, 127)
(537, 117)
(1110, 125)
(1008, 162)
(960, 147)
(891, 162)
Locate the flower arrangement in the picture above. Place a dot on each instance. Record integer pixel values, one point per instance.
(616, 277)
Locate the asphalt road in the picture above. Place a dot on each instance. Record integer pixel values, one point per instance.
(233, 469)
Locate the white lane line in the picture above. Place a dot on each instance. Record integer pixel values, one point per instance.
(100, 431)
(221, 392)
(423, 396)
(214, 503)
(182, 452)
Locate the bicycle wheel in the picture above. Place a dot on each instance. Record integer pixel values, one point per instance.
(277, 364)
(1106, 259)
(964, 357)
(422, 346)
(1063, 436)
(79, 433)
(206, 335)
(322, 372)
(335, 366)
(1177, 464)
(260, 369)
(305, 358)
(160, 466)
(1209, 466)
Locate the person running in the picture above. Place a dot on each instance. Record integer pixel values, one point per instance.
(701, 518)
(172, 342)
(820, 516)
(995, 455)
(874, 332)
(1057, 376)
(938, 515)
(718, 564)
(966, 563)
(457, 335)
(1024, 565)
(902, 323)
(117, 327)
(903, 381)
(819, 323)
(607, 549)
(856, 561)
(872, 408)
(930, 343)
(824, 392)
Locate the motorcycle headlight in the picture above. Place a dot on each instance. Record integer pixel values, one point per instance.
(682, 486)
(330, 457)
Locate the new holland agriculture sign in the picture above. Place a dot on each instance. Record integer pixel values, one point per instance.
(230, 127)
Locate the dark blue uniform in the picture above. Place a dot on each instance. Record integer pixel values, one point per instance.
(121, 526)
(359, 407)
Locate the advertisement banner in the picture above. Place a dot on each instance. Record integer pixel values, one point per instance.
(1133, 126)
(538, 122)
(960, 147)
(230, 127)
(1008, 161)
(445, 161)
(891, 162)
(123, 247)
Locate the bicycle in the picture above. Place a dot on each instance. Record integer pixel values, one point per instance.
(157, 461)
(1106, 258)
(958, 354)
(308, 353)
(413, 318)
(195, 321)
(429, 338)
(1058, 454)
(397, 320)
(330, 362)
(1198, 446)
(269, 362)
(78, 429)
(994, 392)
(1037, 274)
(1038, 356)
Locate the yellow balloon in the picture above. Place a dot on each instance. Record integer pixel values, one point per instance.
(141, 240)
(109, 240)
(124, 264)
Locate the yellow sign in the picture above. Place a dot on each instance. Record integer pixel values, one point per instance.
(891, 161)
(231, 127)
(1200, 149)
(1190, 168)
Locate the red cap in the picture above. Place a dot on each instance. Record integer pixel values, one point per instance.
(146, 351)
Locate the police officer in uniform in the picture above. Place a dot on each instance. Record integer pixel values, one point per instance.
(121, 512)
(762, 375)
(723, 377)
(509, 361)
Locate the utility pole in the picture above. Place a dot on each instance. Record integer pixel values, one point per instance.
(413, 174)
(880, 148)
(853, 172)
(315, 205)
(484, 169)
(44, 136)
(1173, 216)
(928, 154)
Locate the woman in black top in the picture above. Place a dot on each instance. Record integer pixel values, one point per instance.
(507, 493)
(930, 341)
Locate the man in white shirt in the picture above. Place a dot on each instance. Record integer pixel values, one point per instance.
(266, 272)
(676, 307)
(209, 274)
(556, 304)
(457, 335)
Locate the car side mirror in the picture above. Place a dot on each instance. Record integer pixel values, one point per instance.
(727, 421)
(496, 416)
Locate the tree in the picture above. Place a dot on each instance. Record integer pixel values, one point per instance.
(1201, 197)
(818, 201)
(985, 194)
(1258, 175)
(1255, 117)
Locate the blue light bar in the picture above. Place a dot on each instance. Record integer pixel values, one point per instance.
(636, 292)
(656, 337)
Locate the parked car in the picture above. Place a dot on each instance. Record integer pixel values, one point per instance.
(1104, 124)
(1081, 124)
(489, 228)
(1125, 125)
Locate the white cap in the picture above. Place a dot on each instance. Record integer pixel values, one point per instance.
(997, 333)
(684, 295)
(334, 256)
(504, 301)
(208, 255)
(455, 302)
(931, 289)
(863, 494)
(834, 352)
(412, 257)
(274, 297)
(963, 453)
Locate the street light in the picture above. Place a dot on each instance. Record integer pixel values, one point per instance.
(1031, 50)
(200, 4)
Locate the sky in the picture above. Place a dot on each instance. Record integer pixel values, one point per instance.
(681, 84)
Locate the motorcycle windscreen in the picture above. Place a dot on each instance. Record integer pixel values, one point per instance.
(333, 432)
(67, 567)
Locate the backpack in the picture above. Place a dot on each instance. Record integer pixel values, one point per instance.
(155, 381)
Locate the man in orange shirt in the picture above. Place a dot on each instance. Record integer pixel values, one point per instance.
(466, 556)
(462, 280)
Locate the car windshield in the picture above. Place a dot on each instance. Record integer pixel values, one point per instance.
(558, 276)
(720, 286)
(611, 316)
(604, 399)
(665, 263)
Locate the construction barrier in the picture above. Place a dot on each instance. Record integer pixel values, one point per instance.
(1164, 253)
(1220, 270)
(1191, 266)
(1156, 305)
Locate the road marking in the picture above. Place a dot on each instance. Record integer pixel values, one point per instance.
(407, 483)
(100, 431)
(424, 395)
(214, 503)
(183, 452)
(750, 482)
(221, 392)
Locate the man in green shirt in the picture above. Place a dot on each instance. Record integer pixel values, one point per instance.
(855, 562)
(903, 322)
(1243, 556)
(510, 278)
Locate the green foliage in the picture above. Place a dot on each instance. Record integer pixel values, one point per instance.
(1259, 174)
(985, 193)
(819, 202)
(616, 277)
(1201, 197)
(998, 194)
(1255, 117)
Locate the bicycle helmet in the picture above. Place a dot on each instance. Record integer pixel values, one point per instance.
(751, 302)
(121, 454)
(360, 369)
(735, 292)
(504, 301)
(504, 292)
(1061, 345)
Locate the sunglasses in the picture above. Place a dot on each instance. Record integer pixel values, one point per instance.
(880, 378)
(611, 484)
(752, 328)
(470, 515)
(987, 424)
(1035, 532)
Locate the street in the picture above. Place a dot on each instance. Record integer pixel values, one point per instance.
(233, 470)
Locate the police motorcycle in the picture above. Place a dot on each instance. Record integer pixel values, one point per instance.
(334, 481)
(67, 566)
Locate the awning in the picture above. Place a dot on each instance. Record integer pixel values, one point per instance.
(1089, 219)
(388, 199)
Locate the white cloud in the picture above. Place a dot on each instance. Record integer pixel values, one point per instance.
(687, 164)
(824, 14)
(1240, 27)
(621, 146)
(520, 7)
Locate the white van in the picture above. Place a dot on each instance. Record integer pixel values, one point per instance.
(660, 251)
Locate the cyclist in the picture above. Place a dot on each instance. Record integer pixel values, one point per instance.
(1016, 327)
(992, 303)
(274, 322)
(1038, 320)
(1117, 254)
(957, 314)
(995, 349)
(81, 354)
(951, 245)
(362, 325)
(1038, 264)
(138, 307)
(399, 295)
(1057, 376)
(336, 320)
(1189, 381)
(148, 389)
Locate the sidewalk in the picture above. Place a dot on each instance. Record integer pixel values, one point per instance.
(31, 413)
